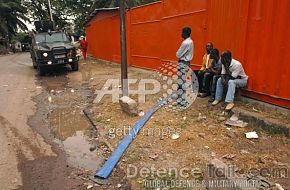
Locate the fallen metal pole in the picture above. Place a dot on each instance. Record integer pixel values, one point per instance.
(89, 117)
(113, 160)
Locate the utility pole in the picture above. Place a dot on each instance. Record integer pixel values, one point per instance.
(124, 67)
(49, 6)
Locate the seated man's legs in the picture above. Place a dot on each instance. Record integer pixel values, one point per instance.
(232, 85)
(219, 92)
(200, 76)
(206, 83)
(213, 86)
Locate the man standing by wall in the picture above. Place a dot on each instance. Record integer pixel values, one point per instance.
(232, 76)
(184, 56)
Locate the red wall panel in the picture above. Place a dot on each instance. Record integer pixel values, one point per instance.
(252, 29)
(145, 26)
(177, 7)
(171, 38)
(266, 50)
(103, 36)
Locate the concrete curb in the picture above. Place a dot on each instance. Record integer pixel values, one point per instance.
(272, 126)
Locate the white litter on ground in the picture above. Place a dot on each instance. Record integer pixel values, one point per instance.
(278, 186)
(175, 136)
(234, 118)
(254, 109)
(234, 121)
(141, 114)
(252, 135)
(90, 186)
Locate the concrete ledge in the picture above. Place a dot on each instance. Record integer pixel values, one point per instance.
(264, 105)
(272, 126)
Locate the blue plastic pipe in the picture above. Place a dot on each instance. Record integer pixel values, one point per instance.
(113, 160)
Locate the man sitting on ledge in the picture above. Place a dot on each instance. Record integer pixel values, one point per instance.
(232, 76)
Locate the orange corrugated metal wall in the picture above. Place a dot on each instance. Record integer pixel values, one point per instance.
(252, 29)
(102, 34)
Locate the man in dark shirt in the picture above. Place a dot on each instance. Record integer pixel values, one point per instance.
(216, 68)
(204, 75)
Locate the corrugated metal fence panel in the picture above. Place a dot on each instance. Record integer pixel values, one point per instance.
(266, 50)
(103, 36)
(173, 8)
(177, 16)
(227, 25)
(256, 31)
(151, 33)
(145, 36)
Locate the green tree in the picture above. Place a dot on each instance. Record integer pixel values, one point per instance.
(66, 13)
(20, 36)
(71, 14)
(38, 9)
(77, 13)
(12, 17)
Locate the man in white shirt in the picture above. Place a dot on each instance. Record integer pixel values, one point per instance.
(185, 51)
(232, 76)
(184, 56)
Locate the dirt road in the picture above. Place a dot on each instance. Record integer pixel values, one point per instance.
(46, 142)
(18, 141)
(30, 157)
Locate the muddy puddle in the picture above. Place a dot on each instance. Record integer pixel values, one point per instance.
(79, 155)
(67, 122)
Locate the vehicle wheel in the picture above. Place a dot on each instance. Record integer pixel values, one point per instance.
(41, 71)
(75, 66)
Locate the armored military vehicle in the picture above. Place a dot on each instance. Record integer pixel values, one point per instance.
(51, 48)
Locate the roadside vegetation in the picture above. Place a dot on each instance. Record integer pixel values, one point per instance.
(67, 14)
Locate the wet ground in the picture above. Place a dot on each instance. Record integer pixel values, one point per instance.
(48, 143)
